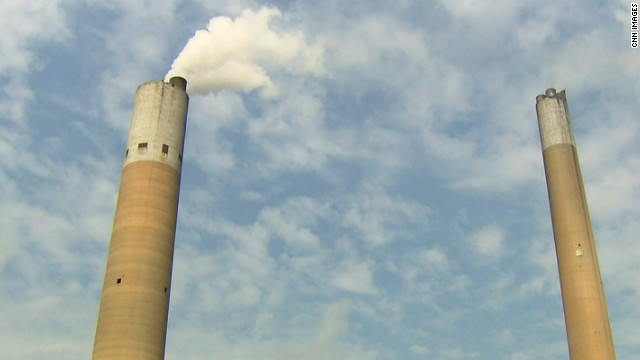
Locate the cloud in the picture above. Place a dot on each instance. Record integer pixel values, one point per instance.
(355, 276)
(27, 27)
(378, 217)
(325, 337)
(293, 133)
(418, 349)
(316, 224)
(209, 122)
(53, 258)
(290, 224)
(488, 241)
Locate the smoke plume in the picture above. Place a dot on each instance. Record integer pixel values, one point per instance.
(234, 53)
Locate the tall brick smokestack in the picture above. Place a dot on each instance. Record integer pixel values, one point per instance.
(585, 308)
(132, 322)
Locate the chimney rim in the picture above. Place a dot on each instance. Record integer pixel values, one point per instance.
(179, 82)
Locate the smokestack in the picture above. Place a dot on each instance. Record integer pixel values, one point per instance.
(132, 322)
(585, 308)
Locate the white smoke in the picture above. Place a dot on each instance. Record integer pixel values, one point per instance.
(233, 54)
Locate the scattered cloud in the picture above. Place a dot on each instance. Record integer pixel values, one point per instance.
(488, 241)
(324, 223)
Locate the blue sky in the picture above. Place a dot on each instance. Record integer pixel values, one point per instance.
(392, 206)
